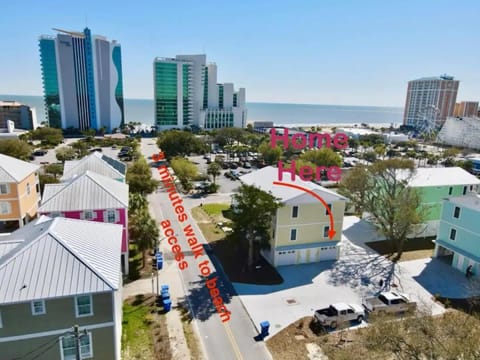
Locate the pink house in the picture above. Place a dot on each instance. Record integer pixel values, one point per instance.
(93, 197)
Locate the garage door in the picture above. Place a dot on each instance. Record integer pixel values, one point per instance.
(328, 253)
(285, 257)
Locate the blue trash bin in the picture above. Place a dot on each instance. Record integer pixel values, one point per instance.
(165, 288)
(167, 305)
(264, 326)
(165, 295)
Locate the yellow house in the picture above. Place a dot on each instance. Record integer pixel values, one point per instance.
(19, 192)
(301, 228)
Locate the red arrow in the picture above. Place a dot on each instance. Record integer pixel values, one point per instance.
(331, 232)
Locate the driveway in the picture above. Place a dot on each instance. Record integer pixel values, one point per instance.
(356, 274)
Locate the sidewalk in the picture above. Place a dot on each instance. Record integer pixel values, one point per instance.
(168, 275)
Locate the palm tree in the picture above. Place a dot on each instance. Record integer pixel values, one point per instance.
(137, 202)
(214, 170)
(143, 230)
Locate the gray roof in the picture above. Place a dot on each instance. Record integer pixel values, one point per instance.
(264, 178)
(97, 162)
(14, 170)
(59, 257)
(88, 191)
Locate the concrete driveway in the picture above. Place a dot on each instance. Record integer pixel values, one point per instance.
(355, 275)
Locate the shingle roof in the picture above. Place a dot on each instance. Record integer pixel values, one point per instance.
(59, 257)
(97, 162)
(88, 191)
(442, 177)
(264, 178)
(14, 170)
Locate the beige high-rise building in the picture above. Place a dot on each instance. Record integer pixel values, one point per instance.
(466, 109)
(430, 98)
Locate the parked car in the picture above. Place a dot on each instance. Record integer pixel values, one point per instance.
(39, 152)
(339, 313)
(233, 165)
(247, 165)
(96, 149)
(389, 302)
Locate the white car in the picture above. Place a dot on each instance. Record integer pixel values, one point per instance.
(339, 313)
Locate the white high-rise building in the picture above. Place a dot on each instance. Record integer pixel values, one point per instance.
(82, 80)
(187, 94)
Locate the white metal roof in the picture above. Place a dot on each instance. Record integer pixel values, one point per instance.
(97, 162)
(14, 170)
(59, 257)
(470, 200)
(88, 191)
(442, 177)
(264, 178)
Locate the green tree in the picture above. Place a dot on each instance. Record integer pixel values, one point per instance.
(16, 148)
(382, 191)
(228, 136)
(354, 186)
(213, 170)
(65, 153)
(322, 157)
(54, 169)
(185, 170)
(46, 179)
(269, 154)
(465, 165)
(81, 148)
(370, 156)
(48, 135)
(136, 202)
(139, 177)
(179, 143)
(252, 216)
(143, 231)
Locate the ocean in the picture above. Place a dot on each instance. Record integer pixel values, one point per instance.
(141, 110)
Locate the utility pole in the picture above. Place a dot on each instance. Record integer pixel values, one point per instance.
(76, 334)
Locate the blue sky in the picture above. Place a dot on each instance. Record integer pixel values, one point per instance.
(320, 51)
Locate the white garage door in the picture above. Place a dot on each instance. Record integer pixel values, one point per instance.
(328, 253)
(285, 257)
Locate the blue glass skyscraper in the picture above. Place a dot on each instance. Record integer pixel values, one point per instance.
(82, 80)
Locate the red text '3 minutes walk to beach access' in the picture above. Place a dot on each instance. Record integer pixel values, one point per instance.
(189, 232)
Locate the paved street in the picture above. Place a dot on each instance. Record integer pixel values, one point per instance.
(229, 340)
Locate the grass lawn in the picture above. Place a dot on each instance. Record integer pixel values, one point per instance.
(215, 209)
(418, 248)
(144, 333)
(231, 258)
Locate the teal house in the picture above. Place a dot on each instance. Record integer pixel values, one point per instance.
(436, 184)
(458, 239)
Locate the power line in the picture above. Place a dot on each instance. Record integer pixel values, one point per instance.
(44, 351)
(35, 350)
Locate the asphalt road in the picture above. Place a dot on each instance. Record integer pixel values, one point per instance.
(233, 339)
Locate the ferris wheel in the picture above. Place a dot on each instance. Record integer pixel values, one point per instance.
(427, 122)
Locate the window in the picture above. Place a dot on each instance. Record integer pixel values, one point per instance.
(326, 229)
(28, 188)
(453, 234)
(293, 234)
(4, 207)
(55, 214)
(111, 216)
(88, 215)
(67, 344)
(83, 305)
(4, 188)
(450, 190)
(38, 307)
(456, 212)
(294, 211)
(329, 207)
(464, 190)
